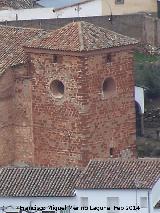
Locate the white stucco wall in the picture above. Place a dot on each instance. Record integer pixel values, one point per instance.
(156, 193)
(139, 97)
(126, 198)
(93, 8)
(27, 14)
(156, 210)
(96, 198)
(89, 9)
(35, 201)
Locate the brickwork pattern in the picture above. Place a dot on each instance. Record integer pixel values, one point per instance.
(82, 125)
(40, 129)
(16, 143)
(23, 128)
(6, 119)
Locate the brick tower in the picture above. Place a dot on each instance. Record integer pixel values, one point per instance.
(82, 95)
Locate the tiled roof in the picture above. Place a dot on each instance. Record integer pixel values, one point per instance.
(17, 4)
(11, 42)
(81, 36)
(120, 174)
(38, 182)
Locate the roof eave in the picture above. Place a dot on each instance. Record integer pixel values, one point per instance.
(79, 53)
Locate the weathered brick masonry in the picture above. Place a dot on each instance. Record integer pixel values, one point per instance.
(16, 143)
(73, 99)
(6, 118)
(84, 123)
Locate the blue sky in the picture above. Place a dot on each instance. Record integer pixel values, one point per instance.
(56, 3)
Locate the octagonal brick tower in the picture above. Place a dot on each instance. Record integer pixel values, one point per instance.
(82, 95)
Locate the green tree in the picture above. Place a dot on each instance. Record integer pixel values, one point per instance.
(147, 74)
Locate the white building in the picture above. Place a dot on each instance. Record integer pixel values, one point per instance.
(114, 183)
(84, 8)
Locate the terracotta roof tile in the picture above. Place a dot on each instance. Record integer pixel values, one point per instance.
(17, 4)
(77, 36)
(11, 45)
(120, 174)
(38, 181)
(81, 36)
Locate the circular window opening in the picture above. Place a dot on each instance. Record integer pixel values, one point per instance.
(57, 88)
(108, 86)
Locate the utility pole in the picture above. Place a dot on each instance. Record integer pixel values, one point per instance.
(78, 9)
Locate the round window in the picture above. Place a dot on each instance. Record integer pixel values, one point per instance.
(57, 88)
(108, 86)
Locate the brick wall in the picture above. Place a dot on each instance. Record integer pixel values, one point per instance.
(23, 127)
(82, 124)
(6, 119)
(39, 129)
(16, 142)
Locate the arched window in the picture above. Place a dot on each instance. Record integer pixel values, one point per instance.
(108, 87)
(57, 88)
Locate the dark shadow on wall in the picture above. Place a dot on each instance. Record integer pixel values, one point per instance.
(139, 121)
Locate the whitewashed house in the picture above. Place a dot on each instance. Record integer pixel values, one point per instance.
(121, 185)
(83, 8)
(80, 8)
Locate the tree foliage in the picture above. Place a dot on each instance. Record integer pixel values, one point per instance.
(147, 75)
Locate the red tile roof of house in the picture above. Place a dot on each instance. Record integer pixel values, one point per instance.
(12, 40)
(55, 182)
(31, 182)
(76, 36)
(81, 36)
(120, 174)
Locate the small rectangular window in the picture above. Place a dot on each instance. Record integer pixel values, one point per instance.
(108, 58)
(55, 58)
(112, 202)
(111, 152)
(143, 202)
(84, 201)
(119, 1)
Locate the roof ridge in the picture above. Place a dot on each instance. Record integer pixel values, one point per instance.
(80, 34)
(40, 167)
(123, 159)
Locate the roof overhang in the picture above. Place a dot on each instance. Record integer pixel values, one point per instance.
(82, 53)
